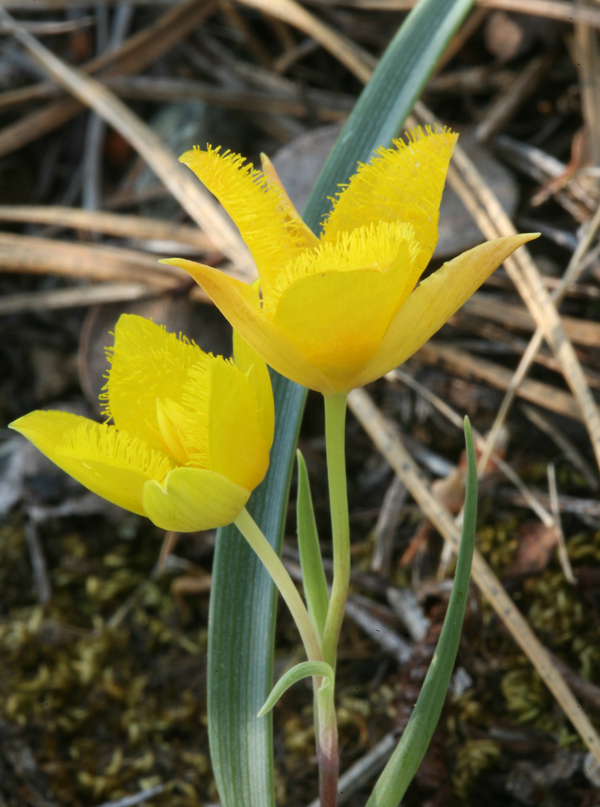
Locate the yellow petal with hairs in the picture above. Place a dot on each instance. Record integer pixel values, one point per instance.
(145, 362)
(201, 440)
(271, 174)
(111, 463)
(404, 183)
(193, 499)
(250, 363)
(434, 301)
(268, 223)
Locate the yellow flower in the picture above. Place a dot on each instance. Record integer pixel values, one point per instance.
(342, 310)
(191, 433)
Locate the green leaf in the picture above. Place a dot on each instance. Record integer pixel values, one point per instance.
(405, 760)
(304, 670)
(242, 610)
(313, 574)
(242, 627)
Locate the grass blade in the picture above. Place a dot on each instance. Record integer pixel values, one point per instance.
(405, 760)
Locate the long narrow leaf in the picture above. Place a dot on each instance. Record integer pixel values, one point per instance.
(242, 612)
(417, 735)
(242, 627)
(313, 574)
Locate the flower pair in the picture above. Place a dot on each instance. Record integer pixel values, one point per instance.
(192, 432)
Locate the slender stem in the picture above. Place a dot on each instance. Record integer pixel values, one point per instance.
(327, 747)
(272, 563)
(335, 420)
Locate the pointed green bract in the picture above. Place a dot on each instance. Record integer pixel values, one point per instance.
(398, 773)
(313, 574)
(304, 670)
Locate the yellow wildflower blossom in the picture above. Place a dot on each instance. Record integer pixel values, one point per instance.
(341, 310)
(191, 434)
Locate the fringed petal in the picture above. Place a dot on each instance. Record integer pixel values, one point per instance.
(268, 223)
(147, 364)
(433, 302)
(372, 247)
(111, 463)
(403, 183)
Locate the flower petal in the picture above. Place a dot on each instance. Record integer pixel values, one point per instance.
(147, 364)
(240, 304)
(268, 223)
(404, 183)
(339, 318)
(374, 246)
(288, 206)
(111, 463)
(223, 416)
(193, 499)
(434, 301)
(249, 362)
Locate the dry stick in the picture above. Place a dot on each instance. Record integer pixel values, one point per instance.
(493, 222)
(563, 555)
(487, 581)
(528, 357)
(116, 224)
(357, 60)
(75, 297)
(567, 446)
(504, 106)
(52, 27)
(328, 107)
(469, 26)
(385, 436)
(457, 420)
(467, 365)
(137, 53)
(514, 315)
(588, 66)
(24, 253)
(552, 9)
(190, 193)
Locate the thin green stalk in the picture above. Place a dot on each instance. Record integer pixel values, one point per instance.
(335, 421)
(272, 563)
(327, 745)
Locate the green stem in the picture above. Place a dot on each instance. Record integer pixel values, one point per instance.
(335, 421)
(327, 746)
(272, 563)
